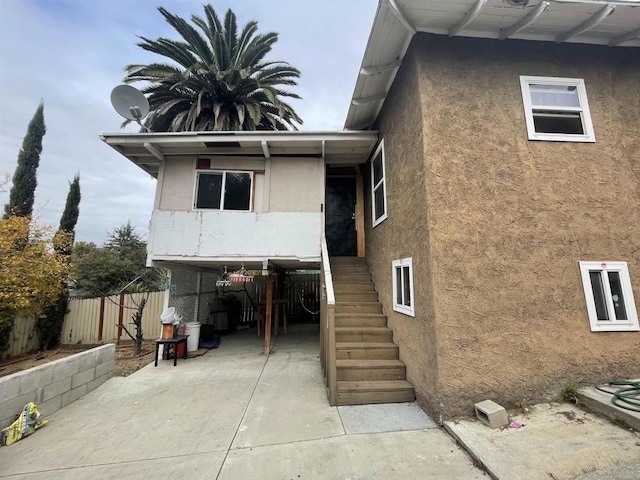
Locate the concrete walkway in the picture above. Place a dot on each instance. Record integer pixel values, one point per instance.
(235, 414)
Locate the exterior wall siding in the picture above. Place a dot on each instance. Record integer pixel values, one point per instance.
(405, 233)
(509, 219)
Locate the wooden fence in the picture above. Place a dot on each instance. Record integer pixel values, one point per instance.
(23, 337)
(94, 320)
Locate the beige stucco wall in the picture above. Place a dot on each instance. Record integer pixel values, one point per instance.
(296, 184)
(405, 233)
(280, 184)
(509, 219)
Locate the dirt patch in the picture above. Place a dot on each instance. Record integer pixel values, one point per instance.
(126, 363)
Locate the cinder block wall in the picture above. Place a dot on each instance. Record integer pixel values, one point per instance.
(55, 384)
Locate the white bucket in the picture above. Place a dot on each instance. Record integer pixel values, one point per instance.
(193, 330)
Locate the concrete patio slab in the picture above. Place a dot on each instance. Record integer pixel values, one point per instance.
(428, 454)
(160, 412)
(556, 441)
(289, 403)
(202, 466)
(385, 417)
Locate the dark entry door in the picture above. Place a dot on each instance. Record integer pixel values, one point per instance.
(340, 216)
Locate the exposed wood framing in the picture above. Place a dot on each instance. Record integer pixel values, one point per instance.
(393, 6)
(594, 20)
(468, 18)
(625, 37)
(525, 21)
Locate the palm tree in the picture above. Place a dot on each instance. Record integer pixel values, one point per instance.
(219, 79)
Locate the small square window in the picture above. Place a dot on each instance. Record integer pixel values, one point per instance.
(224, 190)
(403, 298)
(556, 109)
(609, 298)
(378, 186)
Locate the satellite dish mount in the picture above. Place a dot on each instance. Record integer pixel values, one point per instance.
(130, 103)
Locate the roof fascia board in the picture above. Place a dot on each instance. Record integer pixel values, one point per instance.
(247, 137)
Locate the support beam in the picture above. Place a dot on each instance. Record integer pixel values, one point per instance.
(267, 319)
(265, 149)
(625, 37)
(393, 6)
(153, 150)
(276, 313)
(375, 70)
(468, 18)
(365, 100)
(594, 20)
(524, 22)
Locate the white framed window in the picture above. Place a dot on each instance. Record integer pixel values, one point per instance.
(609, 298)
(223, 190)
(556, 109)
(403, 298)
(378, 186)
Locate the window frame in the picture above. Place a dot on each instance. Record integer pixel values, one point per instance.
(402, 263)
(222, 189)
(585, 113)
(381, 184)
(611, 325)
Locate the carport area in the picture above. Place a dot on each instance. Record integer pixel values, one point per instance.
(235, 413)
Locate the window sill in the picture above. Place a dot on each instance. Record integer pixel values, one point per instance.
(404, 310)
(615, 327)
(550, 137)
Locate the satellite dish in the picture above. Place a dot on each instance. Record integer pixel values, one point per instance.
(130, 103)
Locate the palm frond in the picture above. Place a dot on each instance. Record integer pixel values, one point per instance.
(215, 78)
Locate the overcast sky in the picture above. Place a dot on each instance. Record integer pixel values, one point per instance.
(71, 53)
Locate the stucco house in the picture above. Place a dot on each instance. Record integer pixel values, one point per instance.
(487, 182)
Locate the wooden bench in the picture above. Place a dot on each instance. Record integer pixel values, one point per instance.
(175, 342)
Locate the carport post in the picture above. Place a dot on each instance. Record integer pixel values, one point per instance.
(267, 320)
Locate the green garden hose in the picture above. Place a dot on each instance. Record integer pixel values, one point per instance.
(626, 393)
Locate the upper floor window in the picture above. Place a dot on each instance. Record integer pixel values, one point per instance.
(556, 109)
(609, 298)
(224, 190)
(378, 186)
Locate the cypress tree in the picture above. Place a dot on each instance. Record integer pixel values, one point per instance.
(22, 193)
(50, 327)
(69, 217)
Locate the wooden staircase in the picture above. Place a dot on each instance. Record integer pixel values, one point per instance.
(367, 361)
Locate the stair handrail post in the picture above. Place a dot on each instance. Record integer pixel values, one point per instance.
(329, 325)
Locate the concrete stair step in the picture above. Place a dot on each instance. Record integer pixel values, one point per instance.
(364, 334)
(370, 370)
(339, 287)
(347, 261)
(382, 391)
(361, 320)
(358, 307)
(351, 277)
(356, 296)
(366, 351)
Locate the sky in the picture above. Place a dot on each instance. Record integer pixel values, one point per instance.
(71, 53)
